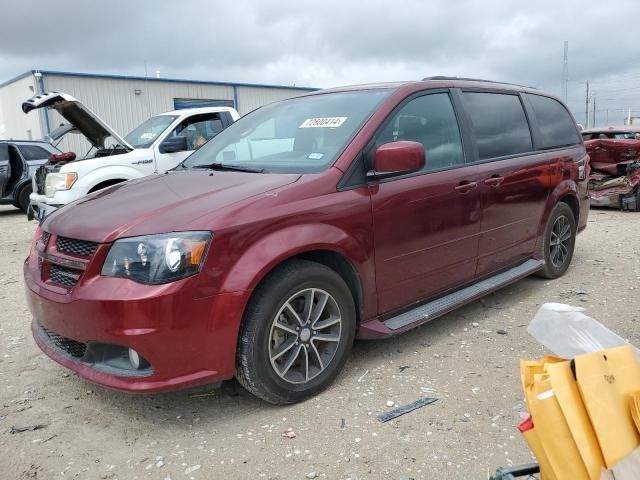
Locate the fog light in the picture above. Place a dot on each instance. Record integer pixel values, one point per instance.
(134, 359)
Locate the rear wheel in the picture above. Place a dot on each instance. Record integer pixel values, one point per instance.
(296, 334)
(23, 198)
(558, 241)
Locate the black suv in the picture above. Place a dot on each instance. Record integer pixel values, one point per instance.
(19, 159)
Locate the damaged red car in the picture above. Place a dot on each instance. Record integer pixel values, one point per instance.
(615, 166)
(353, 212)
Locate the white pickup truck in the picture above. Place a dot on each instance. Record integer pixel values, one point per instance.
(155, 146)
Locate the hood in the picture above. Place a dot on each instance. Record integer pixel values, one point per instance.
(159, 204)
(87, 122)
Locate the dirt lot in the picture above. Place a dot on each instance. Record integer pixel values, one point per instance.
(93, 433)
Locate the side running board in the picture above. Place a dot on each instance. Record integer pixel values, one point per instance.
(442, 305)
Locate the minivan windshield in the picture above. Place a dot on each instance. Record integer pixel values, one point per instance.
(145, 134)
(299, 135)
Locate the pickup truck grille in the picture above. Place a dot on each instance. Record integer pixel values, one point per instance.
(71, 246)
(40, 179)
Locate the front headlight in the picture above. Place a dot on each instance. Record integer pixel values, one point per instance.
(59, 181)
(155, 259)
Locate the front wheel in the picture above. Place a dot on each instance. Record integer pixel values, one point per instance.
(296, 333)
(23, 198)
(558, 242)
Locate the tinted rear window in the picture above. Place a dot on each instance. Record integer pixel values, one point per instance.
(33, 152)
(499, 124)
(557, 128)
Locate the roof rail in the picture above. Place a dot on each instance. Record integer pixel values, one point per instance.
(465, 79)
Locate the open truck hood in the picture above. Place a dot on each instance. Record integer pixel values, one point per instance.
(60, 132)
(87, 122)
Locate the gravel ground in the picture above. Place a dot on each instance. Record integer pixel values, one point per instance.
(93, 433)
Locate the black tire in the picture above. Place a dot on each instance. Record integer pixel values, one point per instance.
(23, 197)
(558, 259)
(254, 368)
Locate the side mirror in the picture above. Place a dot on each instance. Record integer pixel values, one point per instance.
(397, 158)
(174, 144)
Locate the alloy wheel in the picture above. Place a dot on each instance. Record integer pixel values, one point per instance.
(560, 242)
(305, 335)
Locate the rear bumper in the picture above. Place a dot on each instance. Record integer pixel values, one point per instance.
(187, 341)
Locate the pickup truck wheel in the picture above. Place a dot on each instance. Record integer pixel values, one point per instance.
(558, 242)
(23, 197)
(296, 334)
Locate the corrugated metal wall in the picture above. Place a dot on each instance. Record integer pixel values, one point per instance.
(14, 124)
(115, 101)
(250, 98)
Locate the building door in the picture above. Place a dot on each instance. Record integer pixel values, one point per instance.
(182, 103)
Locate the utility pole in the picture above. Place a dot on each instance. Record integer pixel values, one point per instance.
(607, 116)
(586, 102)
(594, 111)
(565, 72)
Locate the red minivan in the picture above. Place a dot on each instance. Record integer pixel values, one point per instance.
(352, 212)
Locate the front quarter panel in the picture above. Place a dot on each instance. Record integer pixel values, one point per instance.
(241, 256)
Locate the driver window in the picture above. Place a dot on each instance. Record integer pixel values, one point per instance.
(199, 129)
(431, 121)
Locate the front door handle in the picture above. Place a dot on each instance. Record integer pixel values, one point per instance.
(465, 186)
(494, 181)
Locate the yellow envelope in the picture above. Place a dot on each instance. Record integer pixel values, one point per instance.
(575, 415)
(530, 435)
(554, 433)
(634, 402)
(606, 380)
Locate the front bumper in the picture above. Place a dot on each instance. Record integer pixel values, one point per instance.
(187, 341)
(39, 206)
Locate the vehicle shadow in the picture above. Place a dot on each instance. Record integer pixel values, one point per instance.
(11, 211)
(215, 407)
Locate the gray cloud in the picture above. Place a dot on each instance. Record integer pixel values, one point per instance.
(336, 42)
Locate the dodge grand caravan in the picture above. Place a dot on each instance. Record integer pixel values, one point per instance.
(353, 212)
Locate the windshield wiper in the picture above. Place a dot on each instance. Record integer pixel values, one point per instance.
(225, 166)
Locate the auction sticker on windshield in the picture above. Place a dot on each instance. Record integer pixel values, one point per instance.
(323, 122)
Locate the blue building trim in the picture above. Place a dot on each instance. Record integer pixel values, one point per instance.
(153, 79)
(47, 126)
(15, 79)
(235, 98)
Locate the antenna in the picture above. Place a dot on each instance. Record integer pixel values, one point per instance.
(565, 72)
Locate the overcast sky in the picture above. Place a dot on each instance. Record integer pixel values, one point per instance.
(332, 42)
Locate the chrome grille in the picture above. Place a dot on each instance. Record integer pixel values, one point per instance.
(63, 276)
(71, 347)
(81, 248)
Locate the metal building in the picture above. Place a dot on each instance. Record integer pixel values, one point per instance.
(122, 101)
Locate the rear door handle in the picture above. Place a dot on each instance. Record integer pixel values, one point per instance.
(465, 186)
(494, 181)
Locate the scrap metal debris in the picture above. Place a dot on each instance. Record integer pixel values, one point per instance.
(397, 412)
(289, 433)
(26, 428)
(615, 172)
